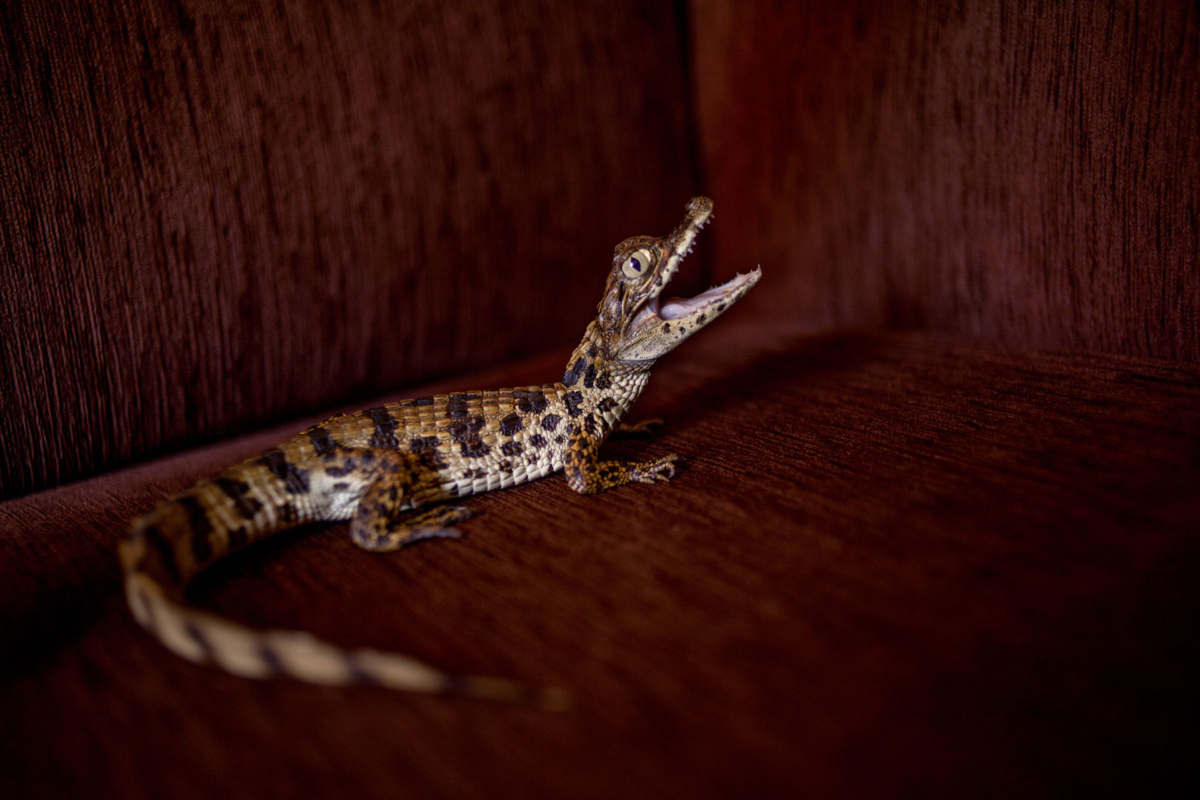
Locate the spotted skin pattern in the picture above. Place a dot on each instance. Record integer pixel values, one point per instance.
(394, 472)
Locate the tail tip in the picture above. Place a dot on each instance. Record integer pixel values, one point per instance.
(543, 698)
(553, 698)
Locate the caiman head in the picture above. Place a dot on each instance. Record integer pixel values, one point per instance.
(634, 327)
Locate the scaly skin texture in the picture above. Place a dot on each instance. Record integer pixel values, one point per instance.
(392, 471)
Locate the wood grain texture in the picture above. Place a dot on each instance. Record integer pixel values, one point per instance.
(1023, 171)
(214, 216)
(896, 566)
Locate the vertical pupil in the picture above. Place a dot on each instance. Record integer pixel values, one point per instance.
(636, 264)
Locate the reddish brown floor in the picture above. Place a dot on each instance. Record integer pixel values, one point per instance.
(895, 566)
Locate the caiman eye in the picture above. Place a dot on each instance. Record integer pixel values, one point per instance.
(637, 264)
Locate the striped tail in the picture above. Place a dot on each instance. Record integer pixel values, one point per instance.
(168, 547)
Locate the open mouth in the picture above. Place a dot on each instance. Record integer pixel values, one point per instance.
(690, 312)
(716, 299)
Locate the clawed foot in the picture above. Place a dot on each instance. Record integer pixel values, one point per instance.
(657, 471)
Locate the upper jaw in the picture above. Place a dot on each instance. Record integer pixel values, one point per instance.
(679, 244)
(682, 239)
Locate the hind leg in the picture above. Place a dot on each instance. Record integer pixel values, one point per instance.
(381, 534)
(379, 522)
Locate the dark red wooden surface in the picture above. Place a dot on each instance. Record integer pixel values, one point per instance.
(1019, 171)
(895, 566)
(214, 217)
(898, 564)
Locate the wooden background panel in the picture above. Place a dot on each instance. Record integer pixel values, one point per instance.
(1019, 171)
(213, 216)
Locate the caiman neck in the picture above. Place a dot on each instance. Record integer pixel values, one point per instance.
(591, 372)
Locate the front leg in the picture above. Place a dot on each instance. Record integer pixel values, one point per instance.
(587, 474)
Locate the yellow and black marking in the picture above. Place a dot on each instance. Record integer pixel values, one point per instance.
(390, 469)
(587, 474)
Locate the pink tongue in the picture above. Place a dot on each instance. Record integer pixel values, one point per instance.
(677, 307)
